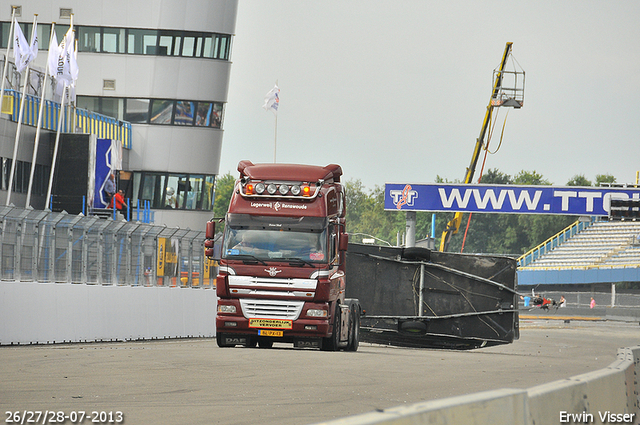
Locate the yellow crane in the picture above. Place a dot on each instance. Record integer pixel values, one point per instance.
(500, 96)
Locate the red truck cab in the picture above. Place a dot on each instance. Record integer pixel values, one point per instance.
(282, 267)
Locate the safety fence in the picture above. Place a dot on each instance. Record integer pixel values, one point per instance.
(82, 120)
(45, 246)
(582, 299)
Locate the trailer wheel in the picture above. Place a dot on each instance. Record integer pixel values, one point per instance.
(331, 343)
(354, 325)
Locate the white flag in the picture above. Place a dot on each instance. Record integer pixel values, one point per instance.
(33, 46)
(67, 66)
(272, 100)
(54, 53)
(21, 51)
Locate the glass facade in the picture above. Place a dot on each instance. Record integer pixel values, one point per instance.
(156, 111)
(174, 190)
(133, 41)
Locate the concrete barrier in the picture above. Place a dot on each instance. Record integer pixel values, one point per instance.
(609, 395)
(35, 313)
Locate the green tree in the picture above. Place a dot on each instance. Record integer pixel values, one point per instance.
(604, 178)
(366, 215)
(530, 178)
(579, 180)
(223, 190)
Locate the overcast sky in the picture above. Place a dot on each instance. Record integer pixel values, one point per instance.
(396, 90)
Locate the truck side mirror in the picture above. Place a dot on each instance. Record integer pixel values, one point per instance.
(210, 230)
(344, 241)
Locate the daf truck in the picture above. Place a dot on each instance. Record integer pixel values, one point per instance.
(282, 264)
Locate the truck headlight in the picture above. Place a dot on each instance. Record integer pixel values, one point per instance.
(226, 308)
(313, 312)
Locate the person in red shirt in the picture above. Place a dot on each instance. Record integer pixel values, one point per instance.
(121, 204)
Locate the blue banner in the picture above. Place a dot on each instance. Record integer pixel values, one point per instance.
(569, 200)
(103, 169)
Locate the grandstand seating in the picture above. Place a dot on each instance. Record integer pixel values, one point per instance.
(614, 244)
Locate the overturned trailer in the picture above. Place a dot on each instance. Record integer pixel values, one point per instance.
(420, 298)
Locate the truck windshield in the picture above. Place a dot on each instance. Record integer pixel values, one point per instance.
(277, 244)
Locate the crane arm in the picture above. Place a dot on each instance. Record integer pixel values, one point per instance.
(454, 224)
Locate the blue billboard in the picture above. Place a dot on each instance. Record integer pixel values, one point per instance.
(569, 200)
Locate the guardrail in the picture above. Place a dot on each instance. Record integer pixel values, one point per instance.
(608, 395)
(44, 246)
(75, 118)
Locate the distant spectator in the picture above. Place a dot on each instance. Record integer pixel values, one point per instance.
(563, 302)
(593, 303)
(110, 188)
(121, 204)
(170, 199)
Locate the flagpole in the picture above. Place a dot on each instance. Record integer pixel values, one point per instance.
(19, 128)
(55, 149)
(35, 146)
(275, 140)
(275, 135)
(6, 58)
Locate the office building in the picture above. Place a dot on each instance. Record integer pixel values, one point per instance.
(162, 66)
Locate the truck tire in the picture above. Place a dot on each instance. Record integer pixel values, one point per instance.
(354, 325)
(331, 343)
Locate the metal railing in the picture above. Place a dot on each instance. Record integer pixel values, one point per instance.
(578, 299)
(54, 247)
(75, 118)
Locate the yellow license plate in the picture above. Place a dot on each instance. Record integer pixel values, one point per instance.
(269, 332)
(271, 323)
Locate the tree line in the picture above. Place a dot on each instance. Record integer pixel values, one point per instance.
(510, 234)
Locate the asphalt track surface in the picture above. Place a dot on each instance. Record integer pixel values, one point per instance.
(193, 381)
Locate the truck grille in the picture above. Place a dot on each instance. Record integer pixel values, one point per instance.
(252, 309)
(282, 283)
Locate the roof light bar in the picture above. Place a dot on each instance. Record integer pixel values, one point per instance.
(279, 189)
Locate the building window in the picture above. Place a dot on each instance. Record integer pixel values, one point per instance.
(89, 39)
(142, 42)
(187, 112)
(174, 191)
(113, 40)
(161, 111)
(136, 110)
(132, 41)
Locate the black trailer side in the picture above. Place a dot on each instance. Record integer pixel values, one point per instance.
(422, 298)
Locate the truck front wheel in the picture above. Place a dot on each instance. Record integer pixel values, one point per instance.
(354, 325)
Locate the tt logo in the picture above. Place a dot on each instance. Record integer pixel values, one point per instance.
(402, 197)
(273, 272)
